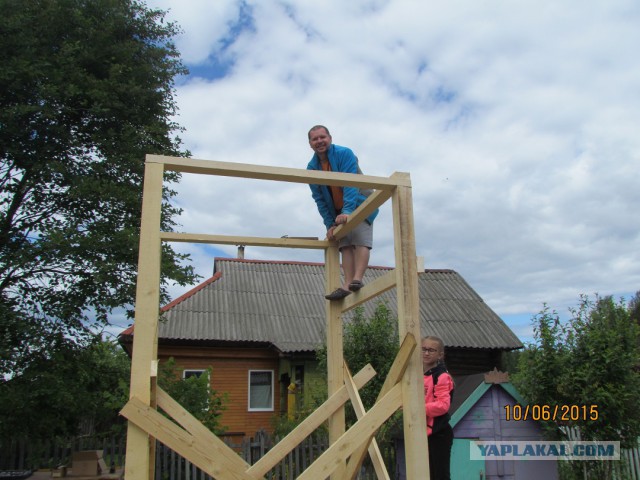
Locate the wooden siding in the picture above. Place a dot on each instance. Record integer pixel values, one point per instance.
(486, 420)
(230, 375)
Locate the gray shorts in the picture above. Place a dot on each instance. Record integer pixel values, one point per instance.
(361, 236)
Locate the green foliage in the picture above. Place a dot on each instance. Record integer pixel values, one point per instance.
(592, 359)
(86, 90)
(73, 385)
(375, 341)
(194, 394)
(368, 340)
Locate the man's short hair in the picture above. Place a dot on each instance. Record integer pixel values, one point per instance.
(316, 127)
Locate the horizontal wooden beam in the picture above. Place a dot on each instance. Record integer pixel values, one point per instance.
(370, 290)
(282, 174)
(286, 242)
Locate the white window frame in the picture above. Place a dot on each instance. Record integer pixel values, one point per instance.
(260, 409)
(195, 371)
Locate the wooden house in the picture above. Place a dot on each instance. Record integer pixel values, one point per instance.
(257, 325)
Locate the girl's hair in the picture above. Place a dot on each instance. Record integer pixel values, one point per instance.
(435, 339)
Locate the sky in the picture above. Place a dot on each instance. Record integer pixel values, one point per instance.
(517, 121)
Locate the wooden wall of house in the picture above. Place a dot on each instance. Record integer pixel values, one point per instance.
(467, 361)
(230, 374)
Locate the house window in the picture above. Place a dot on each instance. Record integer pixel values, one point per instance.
(191, 373)
(260, 390)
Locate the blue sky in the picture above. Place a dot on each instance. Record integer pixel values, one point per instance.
(516, 120)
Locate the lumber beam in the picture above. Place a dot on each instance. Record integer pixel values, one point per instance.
(191, 447)
(309, 424)
(282, 174)
(139, 465)
(396, 372)
(283, 242)
(414, 418)
(371, 445)
(339, 451)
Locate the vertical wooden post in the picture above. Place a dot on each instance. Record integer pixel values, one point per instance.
(139, 465)
(415, 425)
(335, 354)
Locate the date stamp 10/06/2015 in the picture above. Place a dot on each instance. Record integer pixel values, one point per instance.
(561, 413)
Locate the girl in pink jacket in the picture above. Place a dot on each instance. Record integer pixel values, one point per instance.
(438, 390)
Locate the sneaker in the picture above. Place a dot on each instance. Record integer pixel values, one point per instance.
(356, 285)
(338, 294)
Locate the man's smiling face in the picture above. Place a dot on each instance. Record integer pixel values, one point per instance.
(320, 141)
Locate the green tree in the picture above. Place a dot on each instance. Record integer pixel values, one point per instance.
(372, 341)
(194, 394)
(74, 386)
(590, 360)
(86, 90)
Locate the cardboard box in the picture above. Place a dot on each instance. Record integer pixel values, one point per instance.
(59, 472)
(86, 463)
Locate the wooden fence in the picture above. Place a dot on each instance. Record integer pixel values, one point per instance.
(170, 466)
(30, 455)
(24, 454)
(628, 468)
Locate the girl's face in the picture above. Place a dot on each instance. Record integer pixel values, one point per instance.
(431, 354)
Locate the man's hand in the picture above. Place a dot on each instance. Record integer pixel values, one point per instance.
(342, 218)
(330, 233)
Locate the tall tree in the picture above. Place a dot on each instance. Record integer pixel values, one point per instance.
(591, 361)
(86, 90)
(75, 386)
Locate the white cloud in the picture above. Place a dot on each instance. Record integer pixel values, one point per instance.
(517, 122)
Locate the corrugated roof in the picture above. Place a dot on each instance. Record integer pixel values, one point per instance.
(282, 303)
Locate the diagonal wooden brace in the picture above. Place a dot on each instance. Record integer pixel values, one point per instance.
(196, 448)
(396, 372)
(344, 447)
(308, 425)
(374, 450)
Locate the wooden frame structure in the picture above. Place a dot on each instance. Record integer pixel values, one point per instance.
(403, 387)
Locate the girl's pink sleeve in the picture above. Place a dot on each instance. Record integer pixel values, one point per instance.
(442, 401)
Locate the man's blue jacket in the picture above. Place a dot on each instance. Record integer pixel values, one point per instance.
(341, 159)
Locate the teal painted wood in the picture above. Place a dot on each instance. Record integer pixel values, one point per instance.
(462, 467)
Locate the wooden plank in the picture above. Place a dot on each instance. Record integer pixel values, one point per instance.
(286, 242)
(375, 200)
(371, 445)
(340, 450)
(309, 424)
(138, 465)
(282, 174)
(370, 290)
(414, 418)
(182, 442)
(199, 431)
(396, 372)
(335, 352)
